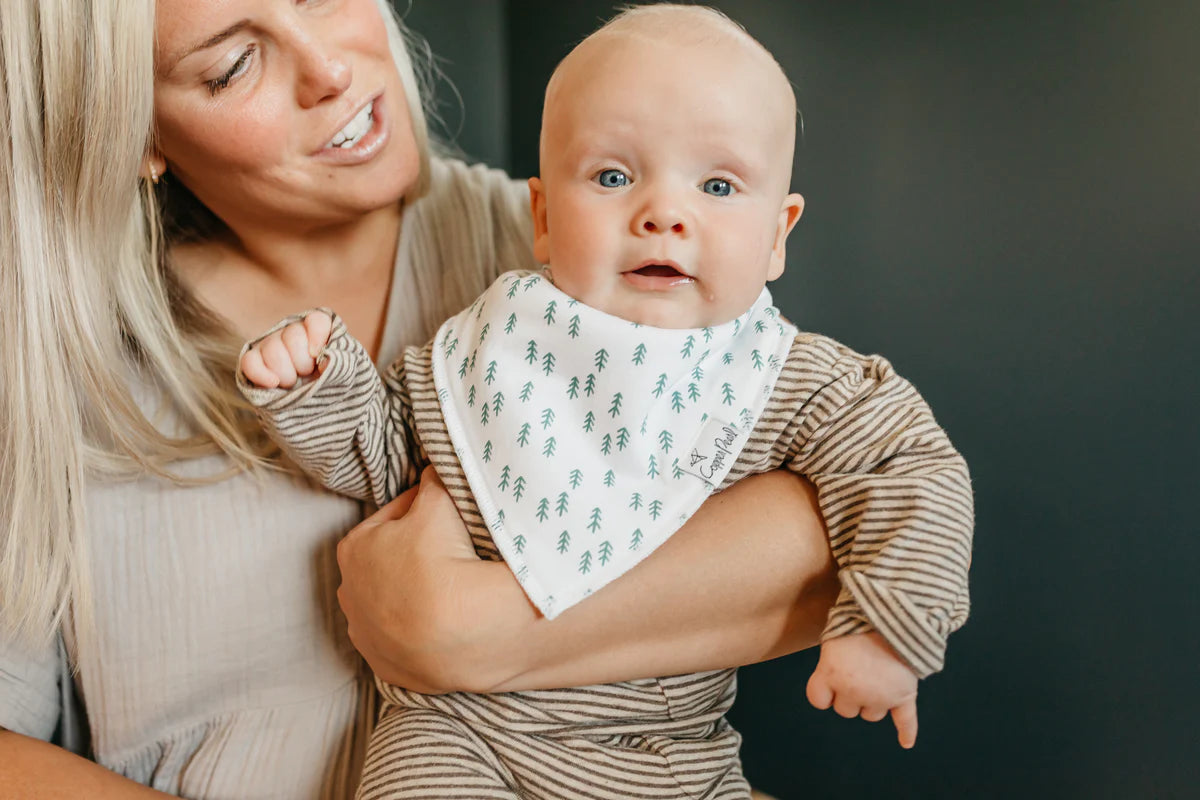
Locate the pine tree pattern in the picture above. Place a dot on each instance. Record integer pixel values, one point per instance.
(670, 380)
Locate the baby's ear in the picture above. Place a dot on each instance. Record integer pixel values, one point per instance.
(541, 231)
(789, 214)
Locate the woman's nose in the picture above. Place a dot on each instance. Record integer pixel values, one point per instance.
(324, 73)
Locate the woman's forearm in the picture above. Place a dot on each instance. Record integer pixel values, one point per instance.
(33, 768)
(749, 578)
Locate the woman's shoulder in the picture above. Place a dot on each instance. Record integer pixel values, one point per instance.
(476, 199)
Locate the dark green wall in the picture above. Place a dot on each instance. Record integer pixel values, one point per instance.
(1002, 197)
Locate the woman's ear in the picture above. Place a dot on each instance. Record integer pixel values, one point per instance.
(154, 166)
(541, 231)
(789, 214)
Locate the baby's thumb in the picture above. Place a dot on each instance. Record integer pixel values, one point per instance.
(819, 693)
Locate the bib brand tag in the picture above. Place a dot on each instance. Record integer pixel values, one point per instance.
(713, 451)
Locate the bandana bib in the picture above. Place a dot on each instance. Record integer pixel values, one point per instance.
(587, 440)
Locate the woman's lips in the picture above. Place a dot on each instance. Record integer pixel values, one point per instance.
(368, 146)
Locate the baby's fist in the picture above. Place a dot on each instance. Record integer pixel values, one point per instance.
(861, 676)
(279, 359)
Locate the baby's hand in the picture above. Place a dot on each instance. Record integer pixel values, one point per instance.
(287, 354)
(860, 675)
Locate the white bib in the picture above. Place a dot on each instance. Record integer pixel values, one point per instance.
(587, 440)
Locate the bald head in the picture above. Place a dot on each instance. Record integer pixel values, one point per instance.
(693, 37)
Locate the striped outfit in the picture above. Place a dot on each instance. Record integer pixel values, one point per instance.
(894, 493)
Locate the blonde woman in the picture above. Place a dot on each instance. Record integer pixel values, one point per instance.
(176, 176)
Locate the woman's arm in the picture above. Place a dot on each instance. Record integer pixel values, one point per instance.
(33, 768)
(748, 578)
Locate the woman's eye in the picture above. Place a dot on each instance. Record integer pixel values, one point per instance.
(612, 178)
(239, 67)
(718, 187)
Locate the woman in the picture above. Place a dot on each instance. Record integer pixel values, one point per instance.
(195, 595)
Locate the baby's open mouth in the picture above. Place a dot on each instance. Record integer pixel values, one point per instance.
(659, 271)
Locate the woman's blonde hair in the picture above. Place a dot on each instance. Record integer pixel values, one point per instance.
(91, 309)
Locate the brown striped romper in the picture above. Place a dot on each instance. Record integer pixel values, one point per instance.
(894, 493)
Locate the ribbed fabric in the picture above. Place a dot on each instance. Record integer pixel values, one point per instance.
(895, 495)
(220, 667)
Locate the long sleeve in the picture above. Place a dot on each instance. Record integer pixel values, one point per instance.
(344, 428)
(896, 498)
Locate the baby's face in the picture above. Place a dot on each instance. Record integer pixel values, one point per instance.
(663, 195)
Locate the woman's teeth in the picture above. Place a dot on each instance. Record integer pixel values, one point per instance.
(355, 129)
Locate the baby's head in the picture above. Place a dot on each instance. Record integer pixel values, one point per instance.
(666, 155)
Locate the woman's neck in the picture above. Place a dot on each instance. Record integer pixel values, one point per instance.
(253, 278)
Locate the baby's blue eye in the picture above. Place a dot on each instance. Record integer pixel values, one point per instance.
(612, 178)
(718, 187)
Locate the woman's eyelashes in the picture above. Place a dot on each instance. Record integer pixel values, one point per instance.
(235, 71)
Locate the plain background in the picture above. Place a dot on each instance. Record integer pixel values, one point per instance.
(1002, 198)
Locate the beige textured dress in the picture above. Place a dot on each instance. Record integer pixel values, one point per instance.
(220, 666)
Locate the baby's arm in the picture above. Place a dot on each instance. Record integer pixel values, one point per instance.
(321, 399)
(896, 497)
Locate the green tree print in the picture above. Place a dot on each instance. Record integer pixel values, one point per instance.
(665, 440)
(653, 470)
(573, 330)
(614, 410)
(563, 504)
(605, 552)
(519, 543)
(523, 435)
(547, 418)
(531, 352)
(693, 392)
(622, 438)
(610, 478)
(655, 509)
(756, 358)
(487, 451)
(727, 394)
(589, 386)
(462, 368)
(526, 391)
(573, 388)
(490, 376)
(697, 373)
(594, 522)
(543, 510)
(548, 449)
(564, 542)
(497, 403)
(601, 359)
(727, 359)
(451, 346)
(549, 315)
(585, 562)
(676, 401)
(483, 414)
(575, 478)
(504, 475)
(639, 354)
(511, 324)
(676, 472)
(589, 422)
(636, 540)
(660, 385)
(512, 289)
(688, 345)
(635, 502)
(548, 363)
(471, 398)
(519, 488)
(487, 326)
(606, 444)
(708, 334)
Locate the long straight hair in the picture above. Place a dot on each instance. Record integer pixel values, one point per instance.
(91, 307)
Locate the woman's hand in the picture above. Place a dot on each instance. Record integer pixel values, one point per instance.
(409, 578)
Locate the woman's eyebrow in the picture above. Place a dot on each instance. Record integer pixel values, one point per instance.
(211, 41)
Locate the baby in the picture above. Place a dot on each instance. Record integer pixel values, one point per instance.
(580, 413)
